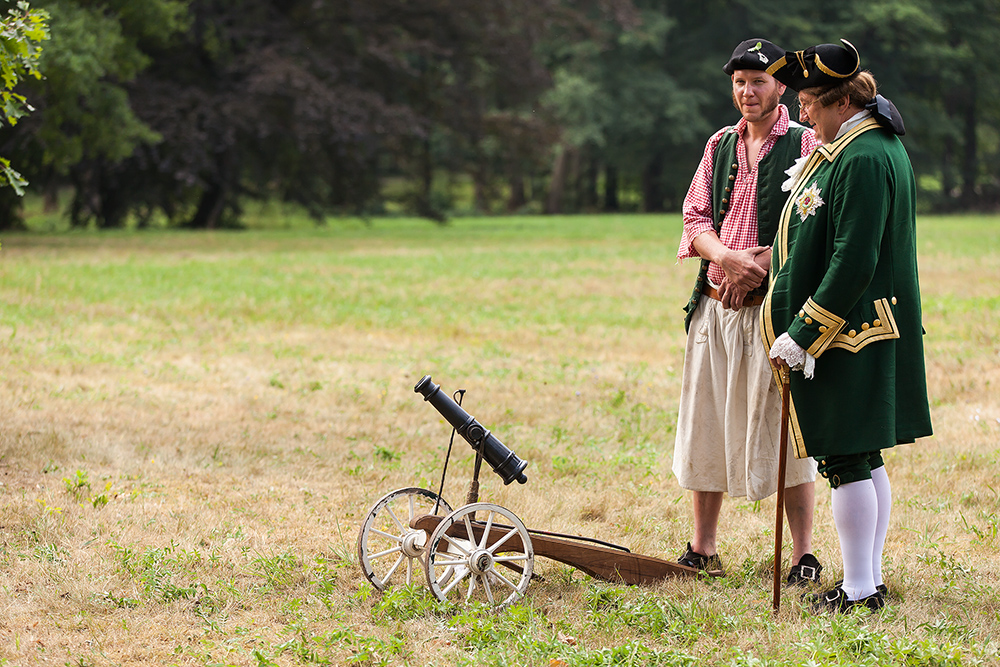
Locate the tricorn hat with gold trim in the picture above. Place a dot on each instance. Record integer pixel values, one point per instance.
(753, 53)
(820, 65)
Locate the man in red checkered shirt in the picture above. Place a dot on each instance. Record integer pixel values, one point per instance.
(730, 409)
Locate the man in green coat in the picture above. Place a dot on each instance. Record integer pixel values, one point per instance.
(844, 304)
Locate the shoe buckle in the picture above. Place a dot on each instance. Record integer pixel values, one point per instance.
(834, 595)
(809, 572)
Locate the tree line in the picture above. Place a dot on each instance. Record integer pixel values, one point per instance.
(178, 112)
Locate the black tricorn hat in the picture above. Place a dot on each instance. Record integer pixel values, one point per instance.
(820, 65)
(753, 53)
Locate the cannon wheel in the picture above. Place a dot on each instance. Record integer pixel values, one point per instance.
(463, 554)
(387, 546)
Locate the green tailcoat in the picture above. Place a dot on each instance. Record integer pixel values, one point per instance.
(844, 286)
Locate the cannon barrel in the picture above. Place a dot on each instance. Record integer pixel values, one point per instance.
(503, 461)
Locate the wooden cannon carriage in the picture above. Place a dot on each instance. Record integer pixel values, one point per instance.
(481, 551)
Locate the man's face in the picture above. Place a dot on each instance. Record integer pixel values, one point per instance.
(825, 121)
(756, 94)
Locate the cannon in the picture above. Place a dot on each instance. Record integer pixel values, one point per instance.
(481, 552)
(503, 461)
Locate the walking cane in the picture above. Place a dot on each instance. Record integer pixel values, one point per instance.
(778, 518)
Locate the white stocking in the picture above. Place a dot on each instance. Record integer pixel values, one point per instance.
(855, 512)
(883, 492)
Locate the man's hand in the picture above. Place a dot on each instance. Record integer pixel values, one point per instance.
(763, 259)
(742, 268)
(730, 295)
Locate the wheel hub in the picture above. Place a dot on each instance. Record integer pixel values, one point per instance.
(413, 543)
(481, 561)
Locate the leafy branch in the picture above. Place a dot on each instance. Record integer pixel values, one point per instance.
(21, 33)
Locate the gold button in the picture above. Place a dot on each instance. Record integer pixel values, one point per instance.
(893, 298)
(852, 333)
(725, 201)
(802, 313)
(809, 320)
(722, 211)
(735, 165)
(731, 177)
(822, 329)
(877, 323)
(864, 327)
(728, 189)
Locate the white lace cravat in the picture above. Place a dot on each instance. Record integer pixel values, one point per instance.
(793, 173)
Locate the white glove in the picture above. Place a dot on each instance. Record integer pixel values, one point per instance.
(792, 353)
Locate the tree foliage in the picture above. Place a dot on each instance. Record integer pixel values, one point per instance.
(21, 34)
(181, 110)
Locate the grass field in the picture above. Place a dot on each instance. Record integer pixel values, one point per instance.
(195, 424)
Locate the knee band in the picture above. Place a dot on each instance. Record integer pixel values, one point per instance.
(841, 469)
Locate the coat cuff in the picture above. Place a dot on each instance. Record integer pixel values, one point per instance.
(816, 326)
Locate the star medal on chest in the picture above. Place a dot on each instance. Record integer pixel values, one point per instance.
(809, 201)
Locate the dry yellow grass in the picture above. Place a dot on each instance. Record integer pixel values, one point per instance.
(180, 484)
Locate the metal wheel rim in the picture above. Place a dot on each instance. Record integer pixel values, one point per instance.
(387, 546)
(468, 569)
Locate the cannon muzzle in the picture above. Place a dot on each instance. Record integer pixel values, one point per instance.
(503, 461)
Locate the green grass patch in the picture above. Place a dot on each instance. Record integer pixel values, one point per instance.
(196, 423)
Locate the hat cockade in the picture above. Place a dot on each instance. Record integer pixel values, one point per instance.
(756, 53)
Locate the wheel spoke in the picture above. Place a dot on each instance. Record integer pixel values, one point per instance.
(455, 544)
(468, 529)
(505, 580)
(512, 533)
(395, 518)
(489, 590)
(409, 571)
(385, 553)
(390, 536)
(472, 586)
(460, 574)
(440, 558)
(510, 559)
(486, 531)
(413, 505)
(393, 568)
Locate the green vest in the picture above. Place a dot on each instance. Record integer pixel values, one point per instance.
(770, 197)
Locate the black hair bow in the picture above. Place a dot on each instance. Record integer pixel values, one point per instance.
(885, 112)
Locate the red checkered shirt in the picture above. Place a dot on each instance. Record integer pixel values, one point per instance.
(740, 229)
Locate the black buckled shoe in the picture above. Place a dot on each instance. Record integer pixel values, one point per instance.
(881, 588)
(806, 572)
(835, 600)
(692, 558)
